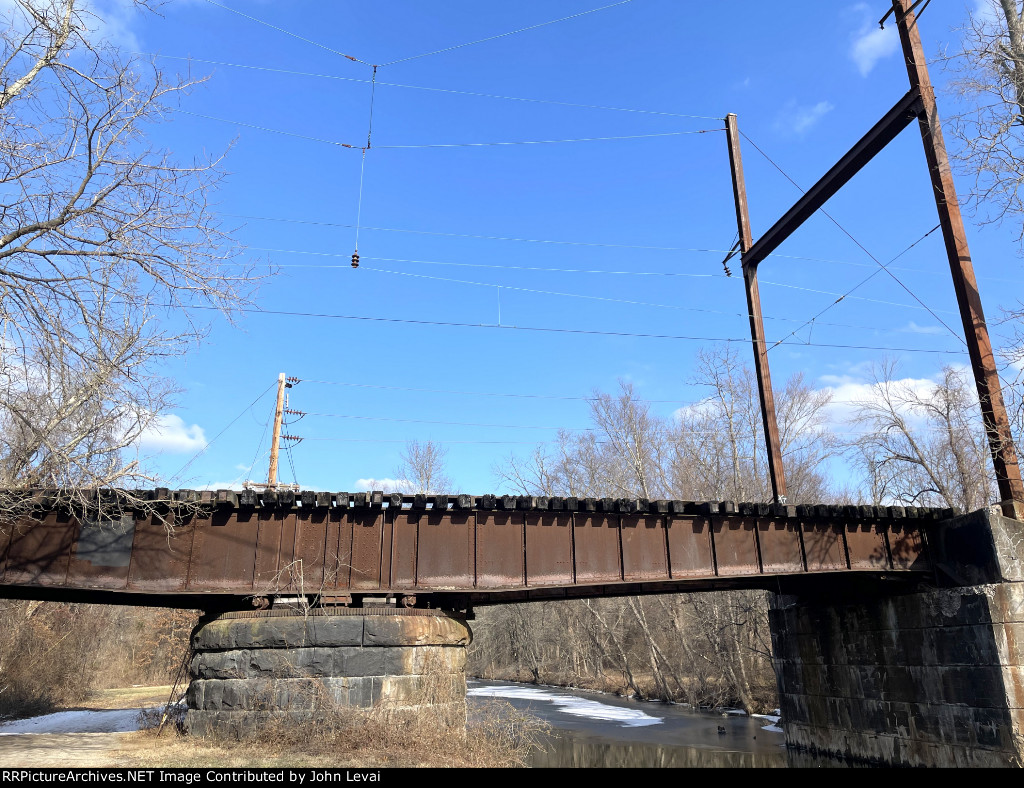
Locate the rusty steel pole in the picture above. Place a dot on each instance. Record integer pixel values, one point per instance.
(997, 425)
(764, 377)
(275, 441)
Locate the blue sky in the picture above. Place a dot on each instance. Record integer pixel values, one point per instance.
(615, 237)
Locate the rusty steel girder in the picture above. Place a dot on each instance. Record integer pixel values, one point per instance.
(260, 545)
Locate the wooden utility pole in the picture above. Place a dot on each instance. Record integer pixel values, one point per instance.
(979, 346)
(275, 441)
(764, 377)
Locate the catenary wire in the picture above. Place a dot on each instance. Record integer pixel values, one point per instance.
(382, 83)
(567, 331)
(607, 299)
(529, 240)
(813, 320)
(338, 144)
(586, 271)
(858, 243)
(286, 32)
(509, 33)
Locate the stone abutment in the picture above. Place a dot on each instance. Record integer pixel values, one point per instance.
(250, 668)
(932, 678)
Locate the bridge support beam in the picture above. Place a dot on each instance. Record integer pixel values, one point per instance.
(933, 678)
(255, 669)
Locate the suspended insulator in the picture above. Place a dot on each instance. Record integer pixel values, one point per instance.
(294, 380)
(355, 259)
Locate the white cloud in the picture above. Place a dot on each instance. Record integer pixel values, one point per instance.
(170, 434)
(870, 42)
(385, 485)
(798, 119)
(848, 391)
(914, 328)
(233, 485)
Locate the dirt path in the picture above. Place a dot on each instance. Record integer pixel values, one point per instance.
(76, 737)
(48, 750)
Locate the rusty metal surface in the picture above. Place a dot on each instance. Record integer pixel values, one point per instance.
(644, 548)
(735, 546)
(906, 547)
(485, 545)
(102, 552)
(160, 555)
(39, 555)
(367, 543)
(403, 550)
(549, 554)
(781, 547)
(689, 547)
(446, 549)
(268, 549)
(223, 554)
(338, 570)
(965, 284)
(865, 542)
(596, 538)
(500, 550)
(824, 547)
(310, 546)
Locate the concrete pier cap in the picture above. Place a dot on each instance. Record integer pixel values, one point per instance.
(251, 668)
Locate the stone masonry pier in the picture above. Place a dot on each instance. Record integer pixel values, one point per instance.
(250, 668)
(932, 678)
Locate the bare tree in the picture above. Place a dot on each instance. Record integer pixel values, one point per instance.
(107, 245)
(986, 94)
(718, 443)
(924, 447)
(422, 468)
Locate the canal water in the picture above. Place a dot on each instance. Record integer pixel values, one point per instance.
(591, 729)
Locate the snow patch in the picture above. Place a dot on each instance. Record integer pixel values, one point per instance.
(579, 707)
(110, 721)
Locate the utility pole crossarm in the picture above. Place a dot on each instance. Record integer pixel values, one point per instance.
(882, 133)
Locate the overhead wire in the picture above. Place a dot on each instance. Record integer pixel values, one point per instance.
(203, 450)
(551, 142)
(514, 239)
(573, 270)
(286, 32)
(362, 167)
(470, 393)
(607, 299)
(857, 286)
(477, 94)
(864, 249)
(336, 143)
(505, 35)
(444, 423)
(566, 331)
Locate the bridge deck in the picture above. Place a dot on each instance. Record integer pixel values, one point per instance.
(368, 544)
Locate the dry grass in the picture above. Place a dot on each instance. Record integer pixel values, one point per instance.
(497, 737)
(127, 698)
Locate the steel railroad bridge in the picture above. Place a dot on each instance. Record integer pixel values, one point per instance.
(226, 550)
(897, 632)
